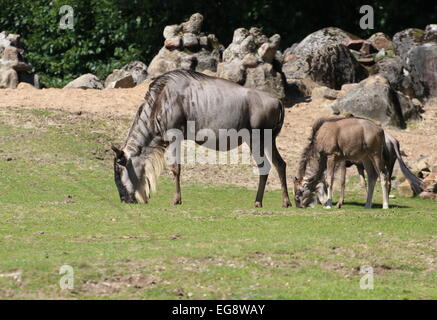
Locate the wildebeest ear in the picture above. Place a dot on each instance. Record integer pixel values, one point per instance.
(119, 153)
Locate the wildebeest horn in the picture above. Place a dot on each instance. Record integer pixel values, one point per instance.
(117, 151)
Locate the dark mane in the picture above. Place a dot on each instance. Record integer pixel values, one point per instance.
(309, 151)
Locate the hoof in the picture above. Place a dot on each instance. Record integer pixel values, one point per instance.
(258, 204)
(327, 207)
(177, 202)
(339, 205)
(286, 204)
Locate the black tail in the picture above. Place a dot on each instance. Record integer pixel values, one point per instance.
(415, 182)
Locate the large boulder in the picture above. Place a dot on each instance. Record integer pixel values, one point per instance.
(127, 77)
(374, 98)
(13, 67)
(324, 58)
(254, 60)
(421, 63)
(393, 69)
(405, 40)
(86, 81)
(186, 47)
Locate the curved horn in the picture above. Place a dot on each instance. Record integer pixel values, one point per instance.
(119, 153)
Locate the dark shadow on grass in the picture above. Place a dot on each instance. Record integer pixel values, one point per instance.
(375, 205)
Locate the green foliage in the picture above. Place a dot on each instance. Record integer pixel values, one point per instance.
(110, 33)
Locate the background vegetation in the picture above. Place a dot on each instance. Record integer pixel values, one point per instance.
(111, 33)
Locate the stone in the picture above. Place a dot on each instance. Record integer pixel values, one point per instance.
(8, 78)
(190, 41)
(428, 195)
(430, 33)
(25, 86)
(128, 77)
(86, 81)
(404, 189)
(172, 31)
(233, 71)
(324, 57)
(264, 77)
(405, 40)
(430, 182)
(173, 43)
(267, 52)
(421, 64)
(374, 98)
(381, 41)
(250, 61)
(239, 35)
(194, 24)
(323, 92)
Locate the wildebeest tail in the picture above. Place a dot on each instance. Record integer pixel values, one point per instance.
(415, 182)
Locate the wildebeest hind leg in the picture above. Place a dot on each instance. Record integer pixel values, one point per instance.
(372, 175)
(263, 163)
(281, 166)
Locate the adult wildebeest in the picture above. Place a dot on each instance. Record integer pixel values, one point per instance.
(336, 140)
(391, 154)
(178, 97)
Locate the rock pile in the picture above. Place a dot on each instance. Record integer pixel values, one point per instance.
(127, 77)
(186, 47)
(13, 68)
(254, 60)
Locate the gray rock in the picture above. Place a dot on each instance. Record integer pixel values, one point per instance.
(86, 81)
(405, 40)
(171, 31)
(233, 71)
(127, 77)
(190, 41)
(173, 43)
(421, 64)
(194, 24)
(393, 69)
(374, 98)
(331, 65)
(265, 77)
(430, 33)
(239, 35)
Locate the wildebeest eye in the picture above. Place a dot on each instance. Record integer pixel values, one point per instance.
(121, 161)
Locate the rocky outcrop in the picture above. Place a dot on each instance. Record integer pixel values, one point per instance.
(253, 60)
(186, 47)
(375, 99)
(404, 40)
(127, 77)
(86, 81)
(324, 57)
(13, 68)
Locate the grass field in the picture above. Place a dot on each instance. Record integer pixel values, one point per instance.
(59, 205)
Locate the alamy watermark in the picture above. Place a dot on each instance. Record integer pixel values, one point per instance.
(67, 20)
(256, 143)
(367, 20)
(366, 281)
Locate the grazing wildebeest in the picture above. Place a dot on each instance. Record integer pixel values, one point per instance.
(391, 154)
(178, 97)
(333, 141)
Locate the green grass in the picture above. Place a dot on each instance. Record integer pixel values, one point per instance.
(59, 205)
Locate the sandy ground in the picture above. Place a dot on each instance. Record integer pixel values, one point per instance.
(417, 141)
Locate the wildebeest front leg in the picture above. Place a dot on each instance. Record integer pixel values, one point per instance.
(343, 183)
(330, 170)
(372, 175)
(176, 169)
